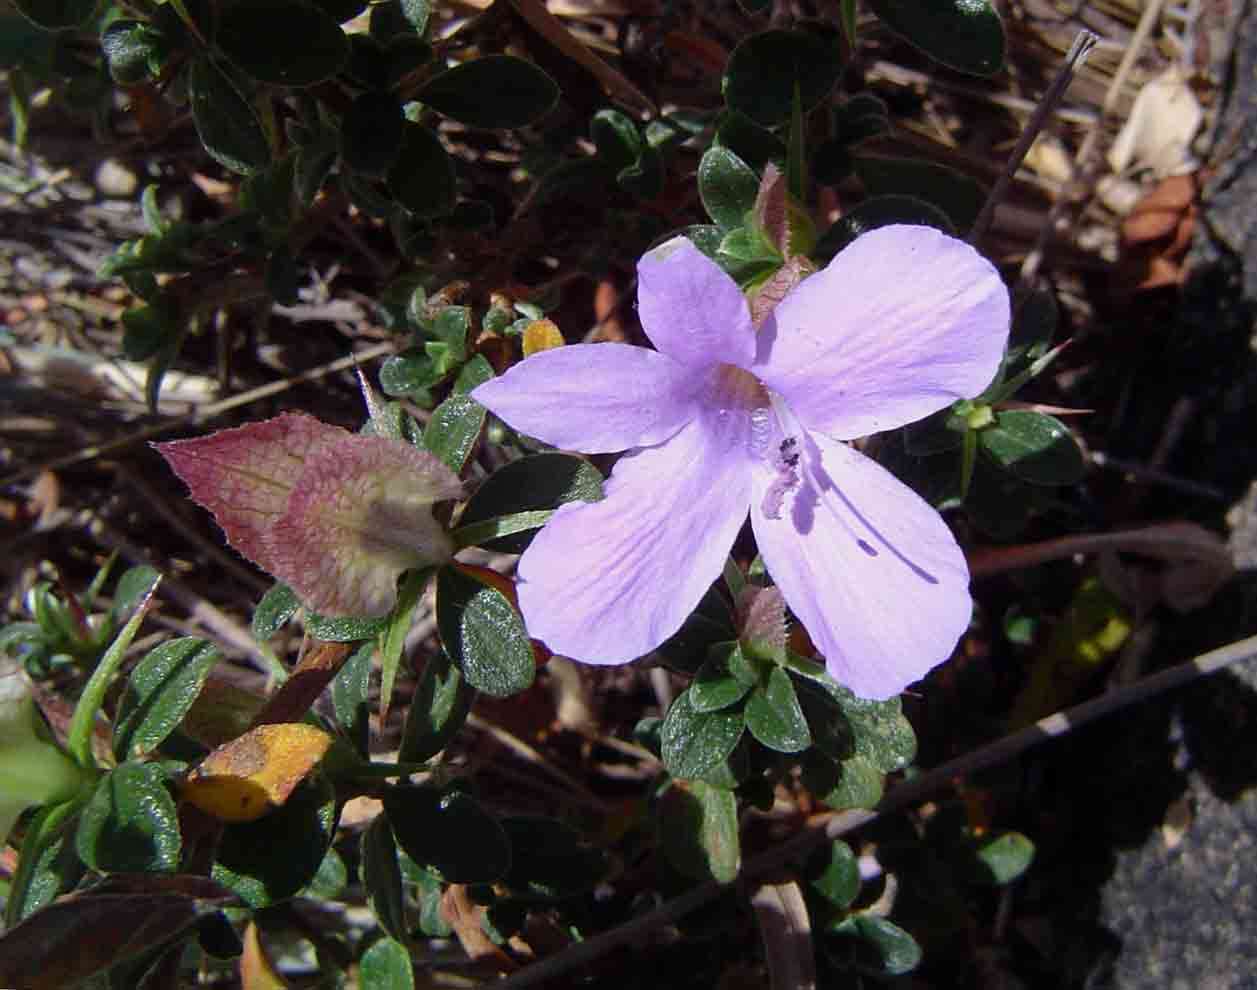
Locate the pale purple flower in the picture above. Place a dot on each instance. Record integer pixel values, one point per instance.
(723, 419)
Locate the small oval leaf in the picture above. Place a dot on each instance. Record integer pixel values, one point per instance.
(1035, 447)
(450, 832)
(247, 861)
(765, 70)
(492, 92)
(483, 634)
(225, 122)
(694, 743)
(130, 824)
(282, 42)
(774, 717)
(727, 187)
(698, 826)
(386, 966)
(422, 176)
(966, 35)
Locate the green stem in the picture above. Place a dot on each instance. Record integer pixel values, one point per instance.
(968, 461)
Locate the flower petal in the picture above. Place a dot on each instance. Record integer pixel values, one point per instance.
(870, 569)
(691, 310)
(245, 475)
(901, 323)
(597, 398)
(607, 582)
(359, 515)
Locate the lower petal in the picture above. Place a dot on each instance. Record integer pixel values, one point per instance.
(607, 582)
(870, 569)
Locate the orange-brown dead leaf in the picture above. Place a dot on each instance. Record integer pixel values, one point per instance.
(462, 915)
(256, 971)
(244, 779)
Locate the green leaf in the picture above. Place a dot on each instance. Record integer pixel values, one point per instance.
(350, 688)
(474, 373)
(329, 879)
(52, 15)
(644, 178)
(386, 966)
(1034, 446)
(417, 13)
(133, 587)
(83, 720)
(884, 949)
(422, 177)
(698, 826)
(716, 685)
(160, 692)
(536, 482)
(965, 35)
(834, 874)
(130, 825)
(1001, 858)
(271, 859)
(371, 133)
(831, 733)
(765, 70)
(880, 211)
(382, 877)
(727, 187)
(694, 743)
(617, 139)
(453, 430)
(410, 374)
(774, 717)
(146, 329)
(755, 145)
(437, 710)
(483, 634)
(745, 245)
(277, 606)
(521, 93)
(957, 195)
(881, 733)
(393, 639)
(450, 832)
(48, 864)
(550, 862)
(282, 42)
(345, 628)
(225, 122)
(853, 783)
(133, 50)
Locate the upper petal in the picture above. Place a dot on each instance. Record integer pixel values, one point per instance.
(359, 515)
(691, 310)
(245, 475)
(607, 582)
(870, 569)
(901, 323)
(597, 398)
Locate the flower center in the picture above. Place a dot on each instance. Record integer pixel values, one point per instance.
(748, 414)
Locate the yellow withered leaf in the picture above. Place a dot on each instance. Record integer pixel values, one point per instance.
(541, 335)
(244, 779)
(256, 970)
